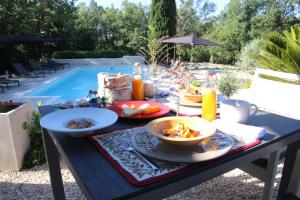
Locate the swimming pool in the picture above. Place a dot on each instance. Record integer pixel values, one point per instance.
(77, 83)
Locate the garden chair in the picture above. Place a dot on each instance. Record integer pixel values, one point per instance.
(175, 69)
(20, 69)
(269, 95)
(37, 66)
(6, 81)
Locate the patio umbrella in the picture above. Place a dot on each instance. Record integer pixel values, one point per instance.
(189, 39)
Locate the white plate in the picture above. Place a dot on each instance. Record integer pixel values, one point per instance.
(183, 102)
(57, 121)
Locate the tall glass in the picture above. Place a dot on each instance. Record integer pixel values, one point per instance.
(209, 104)
(137, 88)
(155, 76)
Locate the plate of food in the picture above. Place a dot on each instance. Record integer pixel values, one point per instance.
(209, 148)
(182, 101)
(139, 109)
(78, 122)
(181, 131)
(192, 95)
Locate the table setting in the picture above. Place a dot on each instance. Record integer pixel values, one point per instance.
(169, 160)
(163, 146)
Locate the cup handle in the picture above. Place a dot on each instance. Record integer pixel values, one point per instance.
(253, 109)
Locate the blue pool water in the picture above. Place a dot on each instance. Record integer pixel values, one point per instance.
(77, 83)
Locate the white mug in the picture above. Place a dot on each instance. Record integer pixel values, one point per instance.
(236, 110)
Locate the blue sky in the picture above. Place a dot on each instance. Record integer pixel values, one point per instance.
(117, 3)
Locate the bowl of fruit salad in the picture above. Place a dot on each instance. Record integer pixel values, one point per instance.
(181, 131)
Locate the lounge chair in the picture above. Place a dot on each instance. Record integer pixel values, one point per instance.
(20, 69)
(175, 68)
(53, 62)
(7, 81)
(2, 89)
(36, 66)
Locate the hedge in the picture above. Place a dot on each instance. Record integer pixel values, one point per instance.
(89, 54)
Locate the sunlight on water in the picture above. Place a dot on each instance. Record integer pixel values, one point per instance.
(77, 83)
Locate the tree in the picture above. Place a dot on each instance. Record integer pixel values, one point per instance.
(162, 20)
(193, 16)
(246, 60)
(134, 26)
(275, 15)
(245, 20)
(281, 52)
(84, 29)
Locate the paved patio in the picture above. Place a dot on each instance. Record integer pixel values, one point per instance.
(29, 84)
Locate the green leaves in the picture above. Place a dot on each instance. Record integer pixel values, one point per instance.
(35, 155)
(228, 84)
(162, 19)
(281, 52)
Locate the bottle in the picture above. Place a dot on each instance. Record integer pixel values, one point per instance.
(209, 104)
(137, 84)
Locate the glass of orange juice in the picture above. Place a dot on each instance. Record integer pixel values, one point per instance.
(209, 104)
(137, 88)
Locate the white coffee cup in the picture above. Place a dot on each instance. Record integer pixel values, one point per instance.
(234, 110)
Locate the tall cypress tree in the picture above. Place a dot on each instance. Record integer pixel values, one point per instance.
(162, 18)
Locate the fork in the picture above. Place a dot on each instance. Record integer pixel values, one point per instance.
(125, 145)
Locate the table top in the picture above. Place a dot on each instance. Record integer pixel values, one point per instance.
(99, 180)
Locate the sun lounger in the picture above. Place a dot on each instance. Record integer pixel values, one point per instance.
(20, 69)
(36, 66)
(6, 81)
(175, 68)
(52, 62)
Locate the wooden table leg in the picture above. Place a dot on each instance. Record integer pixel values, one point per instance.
(290, 158)
(54, 167)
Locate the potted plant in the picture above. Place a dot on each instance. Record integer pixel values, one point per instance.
(14, 139)
(233, 110)
(229, 83)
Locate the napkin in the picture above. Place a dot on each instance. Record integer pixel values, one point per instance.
(163, 91)
(244, 133)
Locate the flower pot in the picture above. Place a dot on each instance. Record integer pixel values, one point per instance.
(14, 139)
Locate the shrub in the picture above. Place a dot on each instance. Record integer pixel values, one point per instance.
(228, 83)
(280, 52)
(35, 155)
(246, 60)
(89, 54)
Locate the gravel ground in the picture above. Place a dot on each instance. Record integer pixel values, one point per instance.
(35, 184)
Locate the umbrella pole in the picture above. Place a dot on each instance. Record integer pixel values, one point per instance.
(191, 51)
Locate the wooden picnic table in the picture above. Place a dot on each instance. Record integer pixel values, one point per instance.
(99, 180)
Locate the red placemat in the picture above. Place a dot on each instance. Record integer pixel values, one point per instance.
(134, 170)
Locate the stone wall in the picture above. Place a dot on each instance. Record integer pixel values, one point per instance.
(14, 139)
